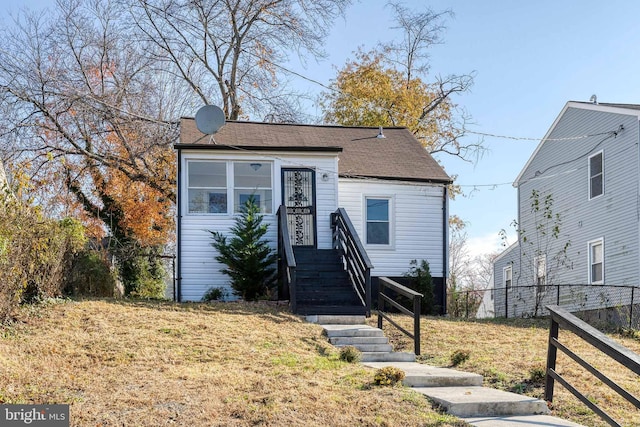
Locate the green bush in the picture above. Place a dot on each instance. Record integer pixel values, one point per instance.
(460, 356)
(421, 281)
(35, 253)
(389, 375)
(141, 271)
(91, 275)
(214, 294)
(248, 258)
(350, 354)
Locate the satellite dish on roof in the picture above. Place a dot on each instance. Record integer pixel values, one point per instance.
(209, 119)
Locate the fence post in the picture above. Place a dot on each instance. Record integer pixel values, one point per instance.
(466, 305)
(552, 353)
(558, 295)
(631, 308)
(416, 325)
(506, 302)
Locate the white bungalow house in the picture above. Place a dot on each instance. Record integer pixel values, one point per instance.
(584, 176)
(393, 191)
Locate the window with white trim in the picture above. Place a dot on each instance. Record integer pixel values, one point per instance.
(378, 220)
(507, 276)
(252, 179)
(596, 261)
(207, 187)
(540, 267)
(221, 187)
(596, 175)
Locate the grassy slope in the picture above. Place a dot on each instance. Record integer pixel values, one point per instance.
(507, 352)
(128, 363)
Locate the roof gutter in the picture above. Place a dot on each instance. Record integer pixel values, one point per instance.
(178, 295)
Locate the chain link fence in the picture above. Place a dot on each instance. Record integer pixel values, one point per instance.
(613, 304)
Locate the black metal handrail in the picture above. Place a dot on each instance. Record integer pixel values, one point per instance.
(626, 357)
(356, 260)
(386, 283)
(286, 259)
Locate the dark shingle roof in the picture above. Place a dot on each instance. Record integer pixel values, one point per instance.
(397, 156)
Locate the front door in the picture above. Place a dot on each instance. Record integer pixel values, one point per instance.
(299, 197)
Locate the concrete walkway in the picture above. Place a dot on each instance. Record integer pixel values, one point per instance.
(459, 393)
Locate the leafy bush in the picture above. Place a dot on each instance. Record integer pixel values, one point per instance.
(213, 294)
(35, 253)
(248, 257)
(389, 375)
(91, 275)
(421, 281)
(460, 356)
(141, 271)
(350, 354)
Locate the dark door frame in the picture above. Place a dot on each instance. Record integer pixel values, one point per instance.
(313, 208)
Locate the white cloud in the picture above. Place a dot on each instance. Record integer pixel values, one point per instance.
(488, 243)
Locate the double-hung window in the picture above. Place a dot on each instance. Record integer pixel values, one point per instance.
(507, 275)
(596, 175)
(596, 261)
(378, 220)
(207, 183)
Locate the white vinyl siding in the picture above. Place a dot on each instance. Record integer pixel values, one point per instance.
(596, 175)
(596, 261)
(199, 269)
(417, 230)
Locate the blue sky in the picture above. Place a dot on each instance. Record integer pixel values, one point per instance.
(530, 58)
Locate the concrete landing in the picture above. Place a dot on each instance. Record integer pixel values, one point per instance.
(420, 375)
(483, 401)
(520, 421)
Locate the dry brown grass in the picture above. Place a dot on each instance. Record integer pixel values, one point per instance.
(153, 364)
(507, 352)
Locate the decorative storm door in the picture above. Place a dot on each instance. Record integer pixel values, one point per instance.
(299, 197)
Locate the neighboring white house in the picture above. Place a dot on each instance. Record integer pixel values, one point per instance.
(393, 191)
(578, 215)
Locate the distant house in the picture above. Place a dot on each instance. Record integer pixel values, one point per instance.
(393, 191)
(578, 215)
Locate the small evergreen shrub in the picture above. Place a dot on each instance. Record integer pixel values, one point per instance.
(248, 258)
(213, 294)
(421, 281)
(388, 375)
(460, 356)
(350, 354)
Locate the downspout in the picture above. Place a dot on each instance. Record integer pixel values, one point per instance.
(178, 296)
(445, 247)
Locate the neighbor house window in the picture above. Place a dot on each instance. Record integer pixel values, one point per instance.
(207, 184)
(252, 179)
(596, 175)
(507, 275)
(540, 266)
(596, 261)
(378, 220)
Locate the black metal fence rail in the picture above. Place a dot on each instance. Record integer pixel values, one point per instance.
(561, 318)
(615, 304)
(384, 298)
(286, 260)
(355, 258)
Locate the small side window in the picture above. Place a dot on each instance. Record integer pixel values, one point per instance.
(596, 175)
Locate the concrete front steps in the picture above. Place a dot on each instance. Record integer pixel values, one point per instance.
(459, 393)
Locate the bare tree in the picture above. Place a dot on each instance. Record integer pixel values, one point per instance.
(229, 52)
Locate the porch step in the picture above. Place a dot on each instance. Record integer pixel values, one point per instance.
(483, 401)
(348, 330)
(520, 421)
(391, 356)
(342, 341)
(318, 309)
(420, 375)
(340, 322)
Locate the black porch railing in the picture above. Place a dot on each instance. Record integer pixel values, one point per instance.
(286, 260)
(383, 298)
(355, 258)
(626, 357)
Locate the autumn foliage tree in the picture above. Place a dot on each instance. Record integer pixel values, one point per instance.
(388, 87)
